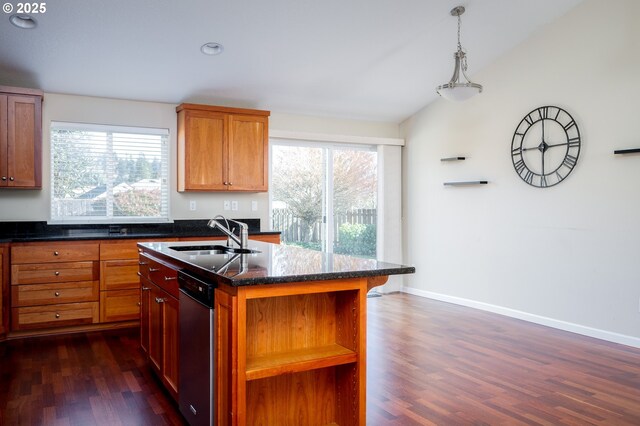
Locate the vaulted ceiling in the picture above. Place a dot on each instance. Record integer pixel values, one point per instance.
(366, 59)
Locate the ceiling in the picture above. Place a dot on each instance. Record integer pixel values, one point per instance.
(376, 60)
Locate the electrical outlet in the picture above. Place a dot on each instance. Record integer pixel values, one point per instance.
(254, 206)
(234, 205)
(227, 205)
(192, 205)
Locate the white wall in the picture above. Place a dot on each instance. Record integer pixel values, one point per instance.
(566, 255)
(31, 205)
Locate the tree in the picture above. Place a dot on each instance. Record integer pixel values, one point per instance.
(298, 181)
(75, 167)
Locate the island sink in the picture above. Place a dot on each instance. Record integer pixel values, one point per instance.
(212, 249)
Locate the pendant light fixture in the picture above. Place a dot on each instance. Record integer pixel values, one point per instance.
(455, 89)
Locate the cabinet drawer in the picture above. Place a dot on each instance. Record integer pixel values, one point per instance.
(55, 315)
(119, 274)
(160, 274)
(41, 273)
(119, 305)
(54, 252)
(49, 294)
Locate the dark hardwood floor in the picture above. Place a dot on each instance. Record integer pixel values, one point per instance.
(429, 362)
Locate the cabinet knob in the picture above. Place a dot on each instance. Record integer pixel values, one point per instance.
(139, 274)
(11, 178)
(57, 315)
(57, 273)
(160, 300)
(4, 178)
(55, 253)
(230, 183)
(57, 293)
(138, 303)
(170, 278)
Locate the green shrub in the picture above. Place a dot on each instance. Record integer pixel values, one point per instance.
(356, 239)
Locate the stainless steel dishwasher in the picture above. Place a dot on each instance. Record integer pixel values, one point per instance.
(196, 365)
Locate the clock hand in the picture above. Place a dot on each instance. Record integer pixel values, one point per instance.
(557, 144)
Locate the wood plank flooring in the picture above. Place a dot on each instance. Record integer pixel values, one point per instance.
(429, 363)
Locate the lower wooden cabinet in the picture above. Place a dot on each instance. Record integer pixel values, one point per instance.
(4, 290)
(159, 333)
(119, 305)
(47, 316)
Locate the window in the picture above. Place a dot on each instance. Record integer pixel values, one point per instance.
(108, 174)
(324, 196)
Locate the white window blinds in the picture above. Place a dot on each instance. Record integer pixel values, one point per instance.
(108, 174)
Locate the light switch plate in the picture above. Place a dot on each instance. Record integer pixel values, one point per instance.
(254, 206)
(192, 205)
(227, 205)
(234, 205)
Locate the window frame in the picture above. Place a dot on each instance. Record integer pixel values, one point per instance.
(164, 133)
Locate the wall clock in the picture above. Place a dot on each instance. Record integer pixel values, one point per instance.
(545, 146)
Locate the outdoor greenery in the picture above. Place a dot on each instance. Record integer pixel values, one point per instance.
(356, 239)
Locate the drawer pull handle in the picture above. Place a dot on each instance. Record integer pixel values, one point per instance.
(55, 253)
(146, 288)
(160, 300)
(57, 293)
(57, 315)
(170, 278)
(139, 274)
(154, 269)
(142, 263)
(57, 273)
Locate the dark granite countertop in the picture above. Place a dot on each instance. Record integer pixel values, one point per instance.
(41, 231)
(272, 264)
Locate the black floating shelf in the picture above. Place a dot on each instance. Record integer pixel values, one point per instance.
(453, 159)
(471, 182)
(627, 151)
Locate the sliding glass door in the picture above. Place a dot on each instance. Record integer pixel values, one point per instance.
(324, 197)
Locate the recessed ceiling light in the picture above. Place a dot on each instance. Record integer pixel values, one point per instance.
(212, 48)
(23, 21)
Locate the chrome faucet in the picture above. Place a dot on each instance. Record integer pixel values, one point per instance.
(243, 233)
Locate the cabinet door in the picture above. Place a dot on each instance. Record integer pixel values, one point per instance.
(145, 314)
(170, 351)
(3, 291)
(248, 153)
(155, 327)
(4, 172)
(203, 146)
(24, 141)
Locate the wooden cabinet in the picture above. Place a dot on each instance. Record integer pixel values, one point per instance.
(291, 354)
(159, 319)
(119, 281)
(20, 138)
(54, 285)
(4, 290)
(222, 149)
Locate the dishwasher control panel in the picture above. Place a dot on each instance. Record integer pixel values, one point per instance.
(196, 287)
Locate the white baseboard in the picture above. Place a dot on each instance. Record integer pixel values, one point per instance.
(549, 322)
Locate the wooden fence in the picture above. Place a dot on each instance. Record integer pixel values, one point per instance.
(293, 229)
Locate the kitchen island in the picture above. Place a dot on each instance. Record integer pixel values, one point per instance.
(290, 329)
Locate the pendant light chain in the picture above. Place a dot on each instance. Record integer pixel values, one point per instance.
(463, 57)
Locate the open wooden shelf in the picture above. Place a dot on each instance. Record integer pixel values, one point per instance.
(270, 365)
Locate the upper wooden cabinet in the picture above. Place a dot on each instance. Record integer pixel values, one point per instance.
(222, 149)
(20, 138)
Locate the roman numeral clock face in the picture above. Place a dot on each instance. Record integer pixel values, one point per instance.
(545, 146)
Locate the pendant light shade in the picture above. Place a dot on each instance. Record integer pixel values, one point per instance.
(459, 88)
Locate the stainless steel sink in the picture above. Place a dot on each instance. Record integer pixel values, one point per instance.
(212, 250)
